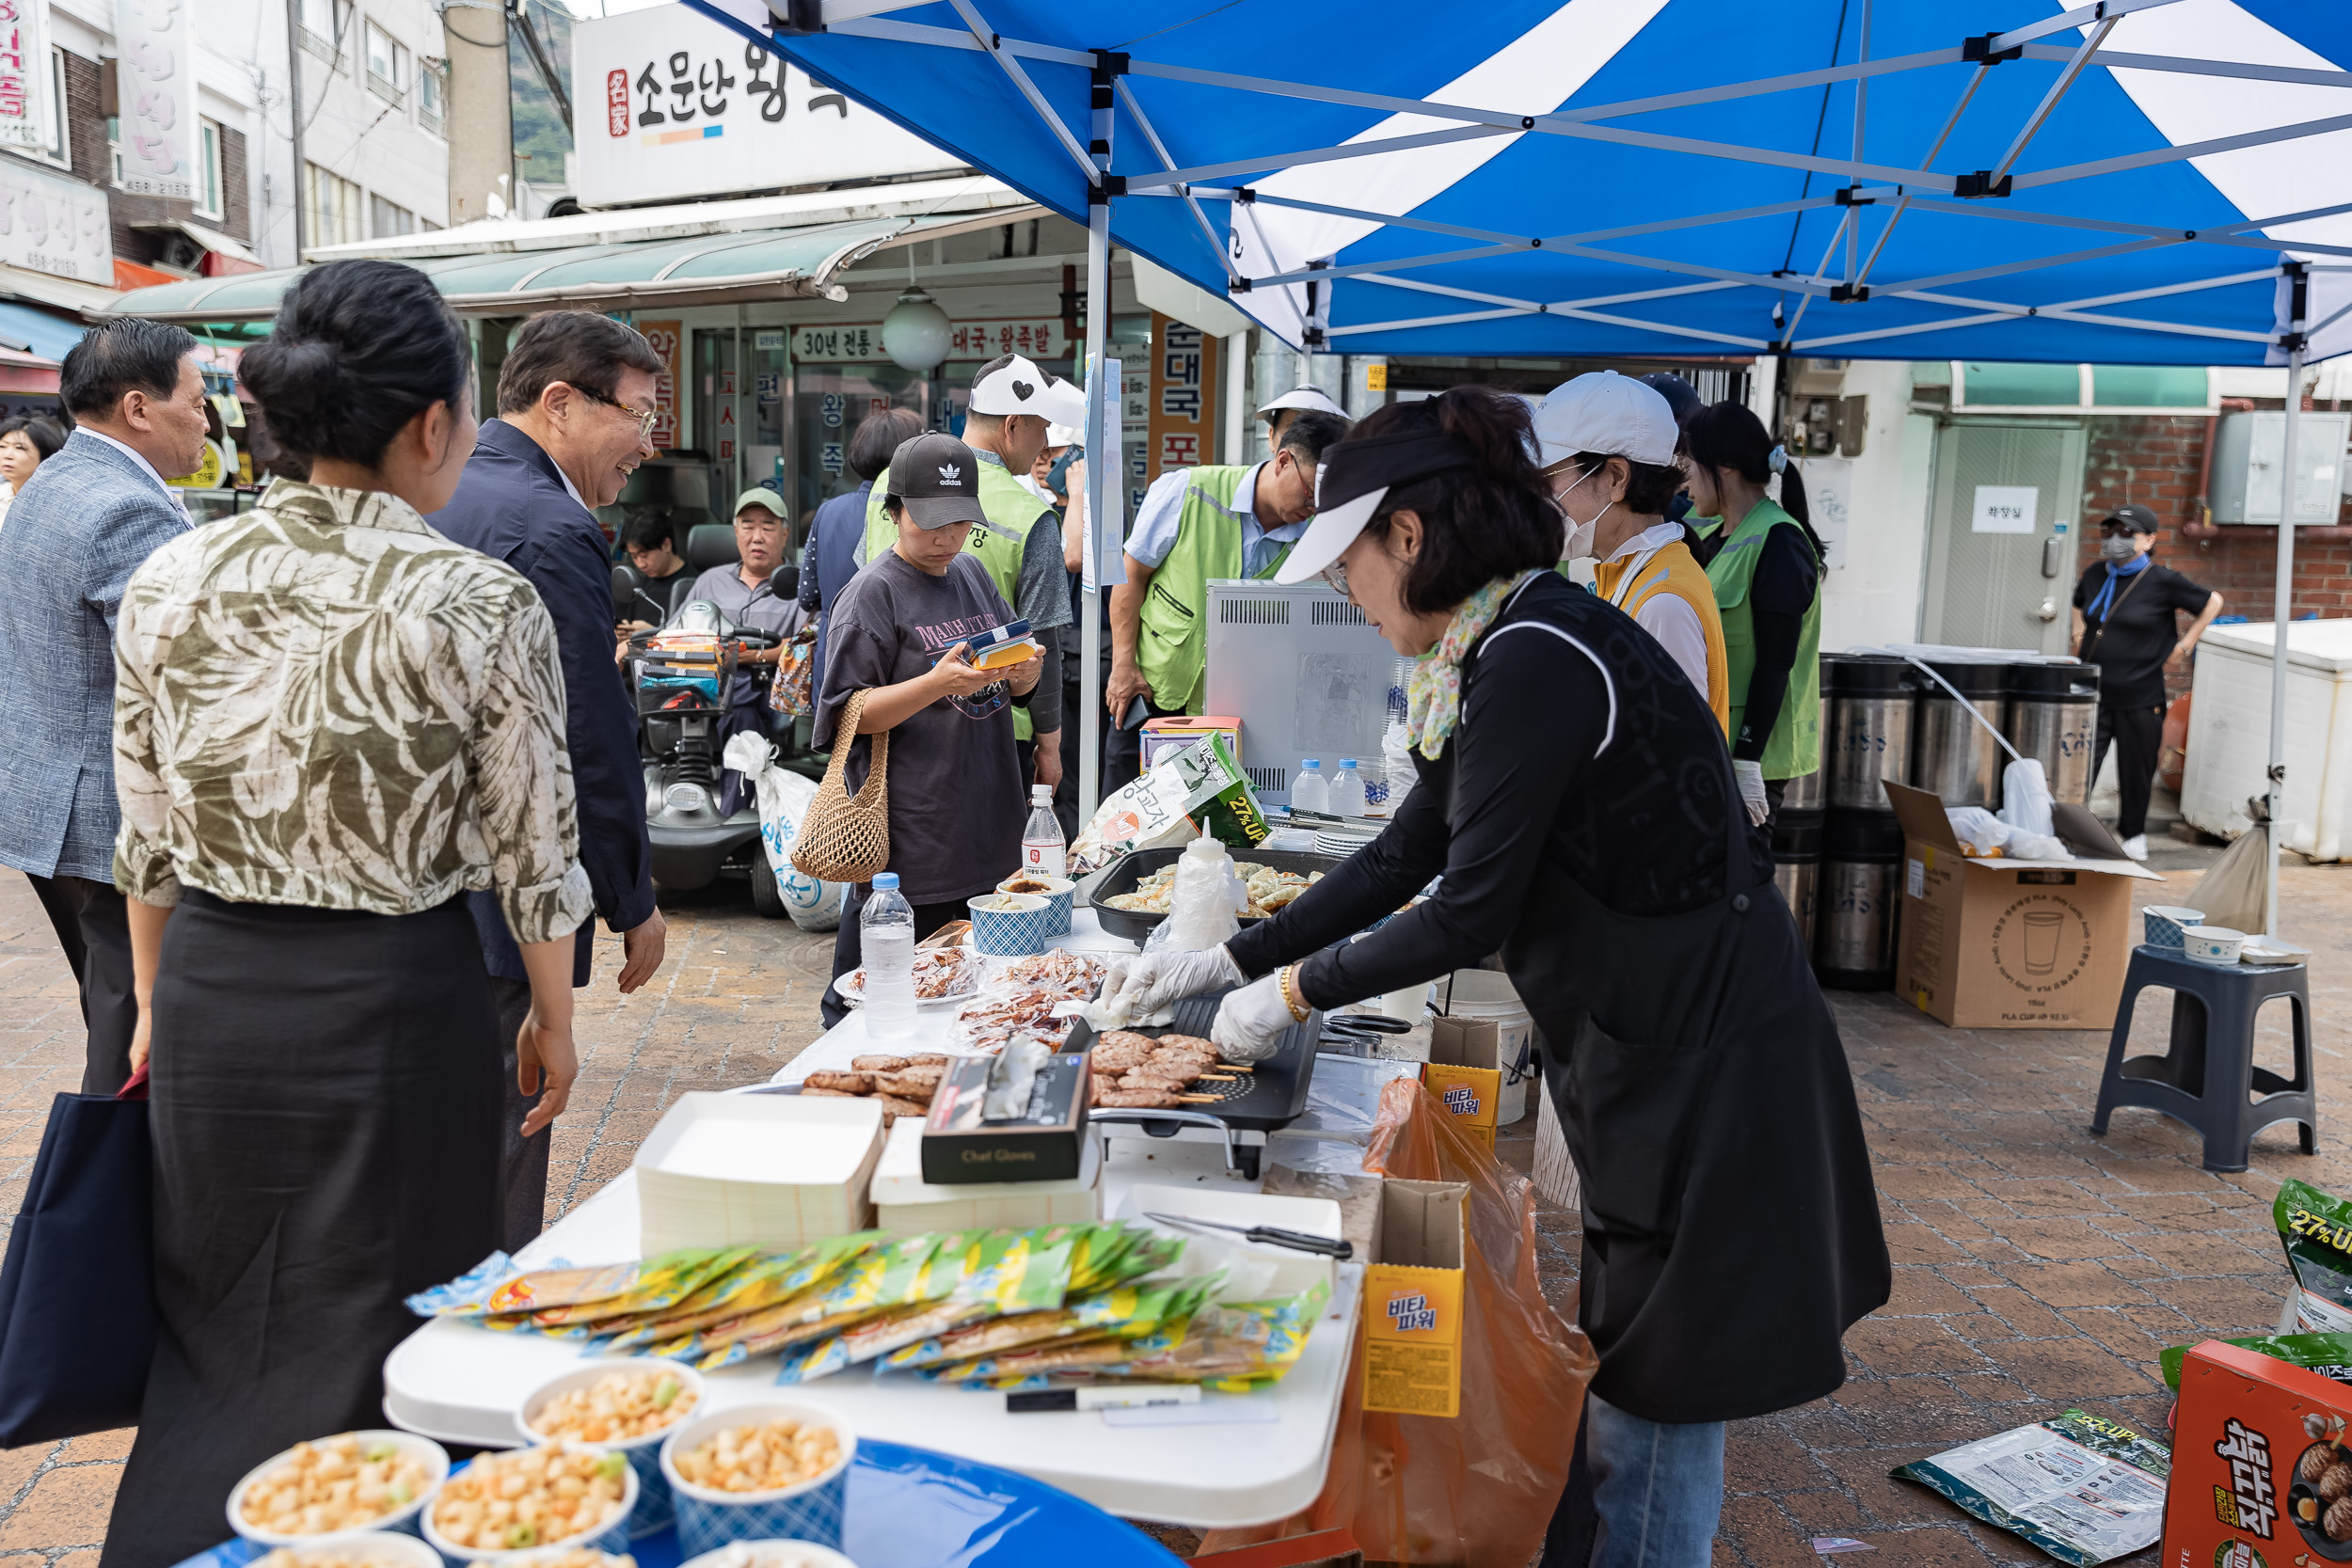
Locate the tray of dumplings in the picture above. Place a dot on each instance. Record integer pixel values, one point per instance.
(1132, 896)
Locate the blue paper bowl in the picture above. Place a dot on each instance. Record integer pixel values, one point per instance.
(654, 1509)
(2165, 922)
(709, 1519)
(1057, 900)
(1013, 933)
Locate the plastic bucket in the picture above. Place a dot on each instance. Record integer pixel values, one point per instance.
(1488, 993)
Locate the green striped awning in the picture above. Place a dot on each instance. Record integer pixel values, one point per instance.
(707, 269)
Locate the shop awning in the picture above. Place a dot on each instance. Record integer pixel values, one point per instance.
(46, 335)
(720, 268)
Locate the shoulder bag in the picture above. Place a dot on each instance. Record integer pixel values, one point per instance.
(845, 837)
(2093, 637)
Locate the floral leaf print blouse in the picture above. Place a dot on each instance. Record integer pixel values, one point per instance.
(325, 703)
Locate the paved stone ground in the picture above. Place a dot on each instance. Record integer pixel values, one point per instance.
(2036, 1267)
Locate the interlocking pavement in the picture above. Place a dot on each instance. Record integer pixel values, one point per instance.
(2036, 1268)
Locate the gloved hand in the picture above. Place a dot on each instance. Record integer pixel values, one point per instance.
(1252, 1019)
(1750, 778)
(1158, 980)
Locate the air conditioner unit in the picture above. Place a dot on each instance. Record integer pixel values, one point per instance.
(180, 254)
(2249, 458)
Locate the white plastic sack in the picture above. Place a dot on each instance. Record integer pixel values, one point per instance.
(1396, 760)
(1983, 835)
(783, 797)
(2025, 796)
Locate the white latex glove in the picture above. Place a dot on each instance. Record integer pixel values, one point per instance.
(1750, 778)
(1252, 1019)
(1158, 980)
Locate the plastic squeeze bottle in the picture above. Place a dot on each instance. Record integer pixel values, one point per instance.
(1042, 851)
(885, 934)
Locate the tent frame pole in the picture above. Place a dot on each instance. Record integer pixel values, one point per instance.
(2282, 599)
(1106, 463)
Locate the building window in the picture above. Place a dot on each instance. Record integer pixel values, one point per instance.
(388, 63)
(324, 25)
(330, 207)
(60, 148)
(386, 219)
(429, 96)
(209, 183)
(114, 147)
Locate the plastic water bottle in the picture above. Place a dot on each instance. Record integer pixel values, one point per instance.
(1042, 851)
(885, 937)
(1310, 789)
(1347, 790)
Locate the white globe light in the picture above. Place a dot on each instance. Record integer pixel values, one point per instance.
(916, 332)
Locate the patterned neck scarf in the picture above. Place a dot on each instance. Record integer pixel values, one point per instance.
(1434, 694)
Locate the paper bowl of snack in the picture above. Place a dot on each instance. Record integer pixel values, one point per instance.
(567, 1557)
(772, 1554)
(944, 977)
(1058, 893)
(371, 1549)
(770, 1470)
(1011, 925)
(625, 1406)
(299, 1498)
(553, 1496)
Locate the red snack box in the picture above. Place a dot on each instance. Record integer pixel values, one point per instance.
(2262, 1464)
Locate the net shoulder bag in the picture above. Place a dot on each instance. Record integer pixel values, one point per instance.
(846, 837)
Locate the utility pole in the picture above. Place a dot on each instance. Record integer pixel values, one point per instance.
(294, 109)
(481, 110)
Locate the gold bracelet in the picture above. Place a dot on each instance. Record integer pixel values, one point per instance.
(1292, 998)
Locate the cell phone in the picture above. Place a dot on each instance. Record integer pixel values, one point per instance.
(1137, 711)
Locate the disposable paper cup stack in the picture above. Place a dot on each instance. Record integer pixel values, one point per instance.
(776, 1171)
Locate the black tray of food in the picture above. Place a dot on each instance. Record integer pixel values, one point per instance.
(1265, 1100)
(1122, 877)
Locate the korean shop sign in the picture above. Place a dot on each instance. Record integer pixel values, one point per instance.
(1038, 336)
(1182, 414)
(156, 75)
(672, 105)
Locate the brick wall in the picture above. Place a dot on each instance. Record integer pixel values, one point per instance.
(93, 162)
(2152, 461)
(236, 194)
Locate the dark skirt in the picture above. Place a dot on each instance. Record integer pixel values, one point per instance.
(326, 1106)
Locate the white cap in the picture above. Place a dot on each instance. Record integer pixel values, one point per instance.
(1302, 397)
(1606, 413)
(1064, 435)
(1021, 387)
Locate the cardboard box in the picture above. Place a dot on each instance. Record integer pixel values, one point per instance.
(1413, 1323)
(1046, 1144)
(1465, 1072)
(753, 1169)
(1990, 943)
(1165, 738)
(2241, 1432)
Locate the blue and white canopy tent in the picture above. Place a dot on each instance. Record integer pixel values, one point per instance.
(2145, 181)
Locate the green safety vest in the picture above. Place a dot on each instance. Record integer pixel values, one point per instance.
(1173, 643)
(1008, 504)
(1794, 747)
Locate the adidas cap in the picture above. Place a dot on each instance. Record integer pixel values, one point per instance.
(938, 481)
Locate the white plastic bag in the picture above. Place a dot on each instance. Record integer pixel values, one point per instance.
(1396, 760)
(783, 799)
(1982, 834)
(2025, 798)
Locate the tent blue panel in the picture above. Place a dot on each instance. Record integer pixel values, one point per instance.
(2108, 261)
(44, 334)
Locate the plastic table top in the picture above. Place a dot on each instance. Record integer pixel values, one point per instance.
(910, 1508)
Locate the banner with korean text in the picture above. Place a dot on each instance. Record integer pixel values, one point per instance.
(1181, 423)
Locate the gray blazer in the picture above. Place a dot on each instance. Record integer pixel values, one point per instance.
(86, 521)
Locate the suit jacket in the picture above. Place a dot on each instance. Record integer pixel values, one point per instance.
(512, 503)
(86, 519)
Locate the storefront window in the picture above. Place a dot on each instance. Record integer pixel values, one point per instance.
(828, 401)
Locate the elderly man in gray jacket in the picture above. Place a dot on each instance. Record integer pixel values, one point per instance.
(85, 521)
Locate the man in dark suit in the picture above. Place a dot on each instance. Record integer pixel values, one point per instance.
(576, 407)
(86, 519)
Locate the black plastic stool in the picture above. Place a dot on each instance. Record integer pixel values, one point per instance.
(2208, 1077)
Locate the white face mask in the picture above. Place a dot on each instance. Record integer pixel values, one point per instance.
(1580, 534)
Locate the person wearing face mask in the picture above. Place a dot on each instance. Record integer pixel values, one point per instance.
(2125, 622)
(1608, 448)
(1196, 526)
(1767, 573)
(1575, 795)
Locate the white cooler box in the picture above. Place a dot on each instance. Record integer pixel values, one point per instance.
(2228, 733)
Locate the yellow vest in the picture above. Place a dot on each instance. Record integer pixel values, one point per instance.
(1675, 570)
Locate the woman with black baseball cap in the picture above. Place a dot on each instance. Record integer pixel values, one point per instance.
(1575, 793)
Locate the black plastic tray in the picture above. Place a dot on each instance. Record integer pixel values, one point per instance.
(1267, 1099)
(1123, 876)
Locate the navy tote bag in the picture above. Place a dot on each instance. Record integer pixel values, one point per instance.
(77, 1296)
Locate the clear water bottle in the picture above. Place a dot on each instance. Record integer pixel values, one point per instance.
(1347, 790)
(1042, 851)
(885, 935)
(1310, 789)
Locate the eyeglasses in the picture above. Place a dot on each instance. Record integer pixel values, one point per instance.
(2117, 530)
(1336, 574)
(644, 418)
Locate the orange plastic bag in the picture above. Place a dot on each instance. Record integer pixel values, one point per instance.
(1475, 1489)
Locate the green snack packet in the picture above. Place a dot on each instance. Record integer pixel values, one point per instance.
(2328, 1354)
(1201, 783)
(2315, 1227)
(765, 1282)
(660, 1282)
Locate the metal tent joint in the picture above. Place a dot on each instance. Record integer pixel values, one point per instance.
(1852, 196)
(1980, 50)
(1111, 184)
(1848, 293)
(797, 18)
(1977, 186)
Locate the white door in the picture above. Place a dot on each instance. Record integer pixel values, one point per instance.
(2002, 546)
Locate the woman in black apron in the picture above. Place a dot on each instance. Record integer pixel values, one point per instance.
(1575, 794)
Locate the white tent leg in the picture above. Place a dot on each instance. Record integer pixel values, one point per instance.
(1236, 389)
(2282, 600)
(1103, 471)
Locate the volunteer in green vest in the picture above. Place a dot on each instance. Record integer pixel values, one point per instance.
(1013, 405)
(1195, 525)
(1767, 574)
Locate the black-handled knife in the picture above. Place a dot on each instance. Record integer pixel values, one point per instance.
(1298, 1240)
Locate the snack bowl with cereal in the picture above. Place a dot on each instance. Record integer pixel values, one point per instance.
(371, 1549)
(556, 1495)
(623, 1404)
(772, 1554)
(768, 1471)
(334, 1488)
